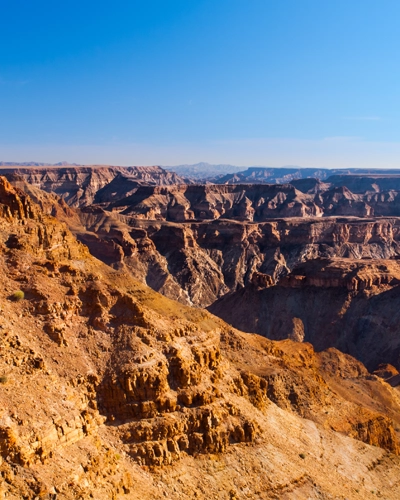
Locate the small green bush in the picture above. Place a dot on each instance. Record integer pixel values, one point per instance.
(3, 379)
(18, 295)
(302, 455)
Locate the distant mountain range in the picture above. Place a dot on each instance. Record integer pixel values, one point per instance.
(230, 174)
(35, 164)
(200, 171)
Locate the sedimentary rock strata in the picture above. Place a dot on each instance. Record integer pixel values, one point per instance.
(195, 243)
(197, 263)
(79, 186)
(343, 303)
(153, 193)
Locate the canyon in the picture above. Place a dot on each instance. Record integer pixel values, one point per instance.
(169, 235)
(134, 395)
(124, 380)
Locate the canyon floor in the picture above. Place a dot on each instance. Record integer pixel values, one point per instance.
(110, 390)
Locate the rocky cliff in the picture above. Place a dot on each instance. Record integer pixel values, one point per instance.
(104, 384)
(174, 258)
(257, 203)
(78, 185)
(198, 262)
(155, 194)
(343, 303)
(139, 219)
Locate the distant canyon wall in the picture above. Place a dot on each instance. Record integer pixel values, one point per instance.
(153, 193)
(347, 304)
(195, 243)
(197, 263)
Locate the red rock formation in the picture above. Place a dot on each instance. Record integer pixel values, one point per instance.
(174, 258)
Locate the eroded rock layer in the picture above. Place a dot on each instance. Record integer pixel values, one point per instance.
(196, 243)
(343, 303)
(80, 185)
(153, 193)
(197, 263)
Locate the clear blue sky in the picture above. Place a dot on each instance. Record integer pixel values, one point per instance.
(267, 82)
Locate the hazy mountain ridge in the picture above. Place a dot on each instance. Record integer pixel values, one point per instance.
(230, 174)
(36, 164)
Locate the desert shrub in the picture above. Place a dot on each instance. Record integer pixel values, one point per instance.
(3, 379)
(18, 295)
(302, 455)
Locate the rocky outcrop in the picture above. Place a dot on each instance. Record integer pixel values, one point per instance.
(261, 280)
(319, 386)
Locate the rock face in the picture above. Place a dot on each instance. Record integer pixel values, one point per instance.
(229, 174)
(197, 263)
(104, 384)
(257, 203)
(155, 194)
(78, 186)
(174, 258)
(196, 243)
(343, 303)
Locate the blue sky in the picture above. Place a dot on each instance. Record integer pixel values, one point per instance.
(247, 82)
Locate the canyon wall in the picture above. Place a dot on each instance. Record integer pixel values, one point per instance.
(196, 263)
(342, 303)
(78, 185)
(156, 194)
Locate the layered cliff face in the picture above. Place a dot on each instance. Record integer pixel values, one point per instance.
(348, 304)
(304, 198)
(105, 383)
(79, 185)
(175, 258)
(172, 236)
(209, 202)
(197, 263)
(155, 194)
(256, 203)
